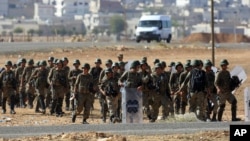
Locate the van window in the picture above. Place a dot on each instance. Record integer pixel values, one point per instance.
(150, 24)
(166, 24)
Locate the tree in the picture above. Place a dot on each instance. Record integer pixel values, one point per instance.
(18, 30)
(117, 24)
(31, 32)
(95, 30)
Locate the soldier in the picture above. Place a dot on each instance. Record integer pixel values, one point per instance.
(174, 85)
(58, 80)
(196, 79)
(48, 93)
(72, 78)
(109, 87)
(67, 91)
(1, 70)
(147, 83)
(83, 91)
(29, 83)
(95, 72)
(170, 66)
(222, 83)
(211, 91)
(167, 102)
(160, 92)
(121, 68)
(40, 77)
(184, 93)
(102, 99)
(155, 62)
(21, 88)
(8, 87)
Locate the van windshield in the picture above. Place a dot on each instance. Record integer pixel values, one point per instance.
(149, 24)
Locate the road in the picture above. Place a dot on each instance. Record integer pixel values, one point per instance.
(46, 46)
(124, 129)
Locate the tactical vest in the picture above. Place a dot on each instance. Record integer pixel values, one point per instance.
(41, 80)
(133, 79)
(19, 72)
(28, 71)
(8, 79)
(74, 73)
(59, 78)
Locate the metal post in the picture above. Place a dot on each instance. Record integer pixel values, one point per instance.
(212, 31)
(235, 37)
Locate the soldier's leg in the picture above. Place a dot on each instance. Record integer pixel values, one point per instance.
(183, 102)
(67, 101)
(41, 101)
(156, 106)
(0, 97)
(222, 105)
(48, 98)
(12, 104)
(200, 108)
(214, 100)
(164, 107)
(233, 101)
(87, 105)
(22, 98)
(4, 99)
(54, 97)
(177, 103)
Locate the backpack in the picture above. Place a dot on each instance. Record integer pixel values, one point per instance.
(234, 82)
(197, 81)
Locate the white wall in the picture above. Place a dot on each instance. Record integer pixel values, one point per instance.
(3, 7)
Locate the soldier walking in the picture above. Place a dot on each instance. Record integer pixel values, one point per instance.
(8, 86)
(222, 83)
(21, 88)
(58, 80)
(83, 91)
(48, 93)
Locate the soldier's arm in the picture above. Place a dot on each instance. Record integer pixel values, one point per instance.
(185, 82)
(50, 76)
(122, 79)
(77, 83)
(217, 81)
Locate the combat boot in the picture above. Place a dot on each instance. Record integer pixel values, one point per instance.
(220, 113)
(37, 108)
(53, 106)
(59, 112)
(4, 105)
(85, 121)
(234, 118)
(73, 117)
(42, 104)
(214, 117)
(12, 104)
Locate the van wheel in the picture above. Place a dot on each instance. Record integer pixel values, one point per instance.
(148, 41)
(138, 40)
(169, 38)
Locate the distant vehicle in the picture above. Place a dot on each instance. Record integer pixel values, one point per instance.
(154, 27)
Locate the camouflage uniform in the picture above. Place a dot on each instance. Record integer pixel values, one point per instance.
(21, 88)
(222, 83)
(184, 94)
(58, 80)
(29, 83)
(147, 88)
(161, 92)
(211, 91)
(102, 98)
(8, 87)
(174, 85)
(83, 89)
(109, 87)
(48, 93)
(197, 97)
(67, 90)
(40, 76)
(72, 78)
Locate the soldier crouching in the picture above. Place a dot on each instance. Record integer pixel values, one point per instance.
(83, 93)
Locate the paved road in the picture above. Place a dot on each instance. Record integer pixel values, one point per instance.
(125, 129)
(47, 46)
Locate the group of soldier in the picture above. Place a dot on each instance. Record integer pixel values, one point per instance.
(51, 81)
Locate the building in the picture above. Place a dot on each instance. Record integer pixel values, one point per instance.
(70, 8)
(43, 12)
(192, 3)
(4, 7)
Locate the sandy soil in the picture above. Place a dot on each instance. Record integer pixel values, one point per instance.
(28, 117)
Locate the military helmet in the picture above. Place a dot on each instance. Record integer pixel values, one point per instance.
(145, 58)
(59, 61)
(195, 63)
(156, 61)
(51, 59)
(86, 66)
(172, 64)
(30, 62)
(187, 65)
(108, 70)
(208, 63)
(98, 60)
(109, 61)
(120, 55)
(121, 63)
(143, 62)
(55, 60)
(163, 64)
(22, 60)
(76, 62)
(38, 63)
(43, 63)
(8, 63)
(224, 62)
(157, 65)
(65, 59)
(115, 65)
(178, 64)
(134, 64)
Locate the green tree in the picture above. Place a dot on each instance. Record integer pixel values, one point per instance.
(18, 30)
(95, 30)
(31, 32)
(117, 24)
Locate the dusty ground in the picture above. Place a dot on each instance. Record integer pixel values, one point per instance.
(28, 117)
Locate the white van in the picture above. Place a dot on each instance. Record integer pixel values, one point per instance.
(154, 27)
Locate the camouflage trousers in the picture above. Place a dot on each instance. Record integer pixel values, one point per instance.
(226, 96)
(58, 92)
(8, 95)
(160, 100)
(215, 101)
(196, 103)
(84, 102)
(112, 103)
(146, 97)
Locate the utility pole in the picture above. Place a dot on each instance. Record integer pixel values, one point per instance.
(212, 31)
